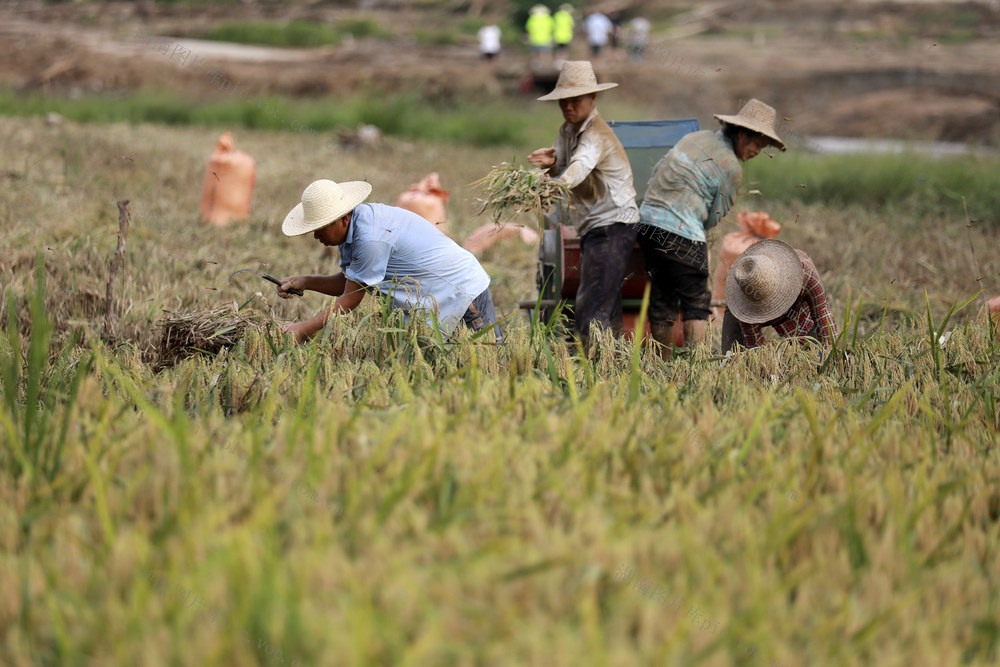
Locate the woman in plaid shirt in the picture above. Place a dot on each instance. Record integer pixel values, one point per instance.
(690, 190)
(773, 284)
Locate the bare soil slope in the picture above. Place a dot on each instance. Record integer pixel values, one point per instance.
(906, 70)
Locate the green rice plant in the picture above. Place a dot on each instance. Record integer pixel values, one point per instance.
(39, 387)
(936, 335)
(635, 379)
(807, 502)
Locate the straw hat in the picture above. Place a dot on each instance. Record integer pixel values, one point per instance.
(323, 202)
(764, 281)
(756, 116)
(576, 78)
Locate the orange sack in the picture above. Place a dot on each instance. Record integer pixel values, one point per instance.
(754, 226)
(994, 306)
(485, 236)
(227, 191)
(427, 199)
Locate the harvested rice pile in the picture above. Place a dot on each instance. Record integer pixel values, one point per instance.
(509, 190)
(205, 331)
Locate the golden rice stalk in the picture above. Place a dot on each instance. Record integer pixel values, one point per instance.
(205, 331)
(509, 190)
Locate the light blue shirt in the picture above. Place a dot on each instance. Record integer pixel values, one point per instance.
(412, 263)
(693, 186)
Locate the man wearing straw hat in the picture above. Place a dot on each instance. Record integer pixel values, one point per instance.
(773, 284)
(691, 188)
(389, 250)
(588, 156)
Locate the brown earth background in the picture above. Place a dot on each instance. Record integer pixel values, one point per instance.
(911, 70)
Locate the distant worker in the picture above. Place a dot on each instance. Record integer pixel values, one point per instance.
(489, 41)
(599, 28)
(616, 17)
(690, 190)
(773, 284)
(540, 27)
(563, 32)
(589, 157)
(637, 38)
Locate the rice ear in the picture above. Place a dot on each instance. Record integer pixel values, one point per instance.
(509, 190)
(206, 331)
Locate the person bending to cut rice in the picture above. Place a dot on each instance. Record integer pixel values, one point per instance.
(588, 156)
(388, 250)
(690, 190)
(773, 284)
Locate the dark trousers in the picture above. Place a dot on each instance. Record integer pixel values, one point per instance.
(481, 314)
(732, 333)
(604, 253)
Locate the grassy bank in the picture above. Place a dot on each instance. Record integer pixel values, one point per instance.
(511, 123)
(311, 34)
(892, 184)
(295, 33)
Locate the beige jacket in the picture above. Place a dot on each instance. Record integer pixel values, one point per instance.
(594, 164)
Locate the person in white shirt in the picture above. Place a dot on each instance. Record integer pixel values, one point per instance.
(599, 28)
(489, 41)
(638, 38)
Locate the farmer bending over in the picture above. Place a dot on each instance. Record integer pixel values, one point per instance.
(691, 188)
(601, 206)
(772, 284)
(390, 250)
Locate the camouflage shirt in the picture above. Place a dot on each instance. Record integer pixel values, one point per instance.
(693, 186)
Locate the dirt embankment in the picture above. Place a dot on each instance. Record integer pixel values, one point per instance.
(906, 70)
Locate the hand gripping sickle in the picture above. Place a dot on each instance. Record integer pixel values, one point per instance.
(296, 292)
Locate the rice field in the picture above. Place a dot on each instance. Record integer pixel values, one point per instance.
(381, 496)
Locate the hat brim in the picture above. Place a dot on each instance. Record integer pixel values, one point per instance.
(566, 93)
(296, 224)
(750, 125)
(791, 276)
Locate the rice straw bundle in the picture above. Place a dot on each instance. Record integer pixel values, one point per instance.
(205, 331)
(509, 190)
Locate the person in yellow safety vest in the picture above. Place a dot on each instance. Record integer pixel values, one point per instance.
(563, 31)
(539, 27)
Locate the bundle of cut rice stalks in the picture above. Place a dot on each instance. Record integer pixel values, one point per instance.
(509, 190)
(205, 331)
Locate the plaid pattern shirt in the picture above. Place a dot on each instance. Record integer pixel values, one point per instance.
(810, 311)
